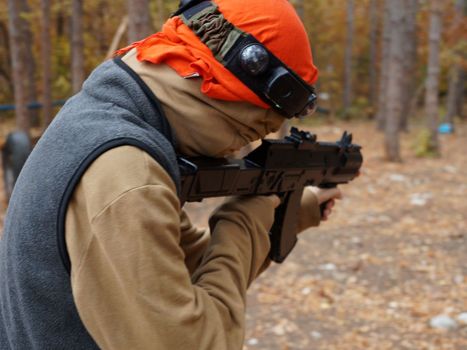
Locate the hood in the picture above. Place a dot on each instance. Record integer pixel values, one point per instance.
(203, 126)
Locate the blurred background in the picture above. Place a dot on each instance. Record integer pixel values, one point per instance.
(387, 271)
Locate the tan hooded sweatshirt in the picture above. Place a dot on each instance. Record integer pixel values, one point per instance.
(142, 276)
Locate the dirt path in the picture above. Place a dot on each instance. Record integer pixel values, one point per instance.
(392, 257)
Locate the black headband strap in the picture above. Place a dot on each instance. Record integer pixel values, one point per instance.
(279, 86)
(185, 5)
(211, 27)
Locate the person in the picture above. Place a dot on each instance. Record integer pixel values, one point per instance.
(97, 251)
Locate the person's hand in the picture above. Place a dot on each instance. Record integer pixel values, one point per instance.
(326, 196)
(310, 213)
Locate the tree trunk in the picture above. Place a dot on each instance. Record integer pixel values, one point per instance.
(100, 26)
(117, 37)
(19, 64)
(46, 64)
(77, 46)
(410, 49)
(139, 20)
(432, 80)
(161, 13)
(348, 57)
(373, 44)
(395, 77)
(29, 59)
(457, 73)
(60, 20)
(383, 77)
(6, 83)
(460, 94)
(300, 8)
(454, 93)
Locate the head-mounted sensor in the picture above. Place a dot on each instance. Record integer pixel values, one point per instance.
(249, 60)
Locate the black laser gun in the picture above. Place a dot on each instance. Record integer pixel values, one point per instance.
(283, 167)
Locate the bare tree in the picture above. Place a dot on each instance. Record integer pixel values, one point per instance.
(100, 25)
(46, 63)
(348, 56)
(77, 46)
(139, 20)
(6, 84)
(300, 8)
(373, 44)
(117, 37)
(19, 64)
(383, 79)
(27, 35)
(457, 72)
(460, 94)
(432, 80)
(62, 7)
(161, 12)
(410, 54)
(395, 77)
(454, 93)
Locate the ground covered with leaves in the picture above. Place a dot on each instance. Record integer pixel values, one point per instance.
(387, 271)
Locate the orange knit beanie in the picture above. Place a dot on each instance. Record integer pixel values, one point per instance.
(274, 23)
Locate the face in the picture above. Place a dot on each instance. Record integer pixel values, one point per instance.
(209, 127)
(220, 128)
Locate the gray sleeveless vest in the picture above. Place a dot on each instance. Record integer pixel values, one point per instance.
(114, 108)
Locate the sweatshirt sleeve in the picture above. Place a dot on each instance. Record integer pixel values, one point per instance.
(130, 282)
(193, 241)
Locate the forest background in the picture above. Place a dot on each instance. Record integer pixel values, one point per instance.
(378, 59)
(393, 72)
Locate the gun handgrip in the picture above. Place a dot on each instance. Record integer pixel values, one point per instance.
(322, 206)
(283, 233)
